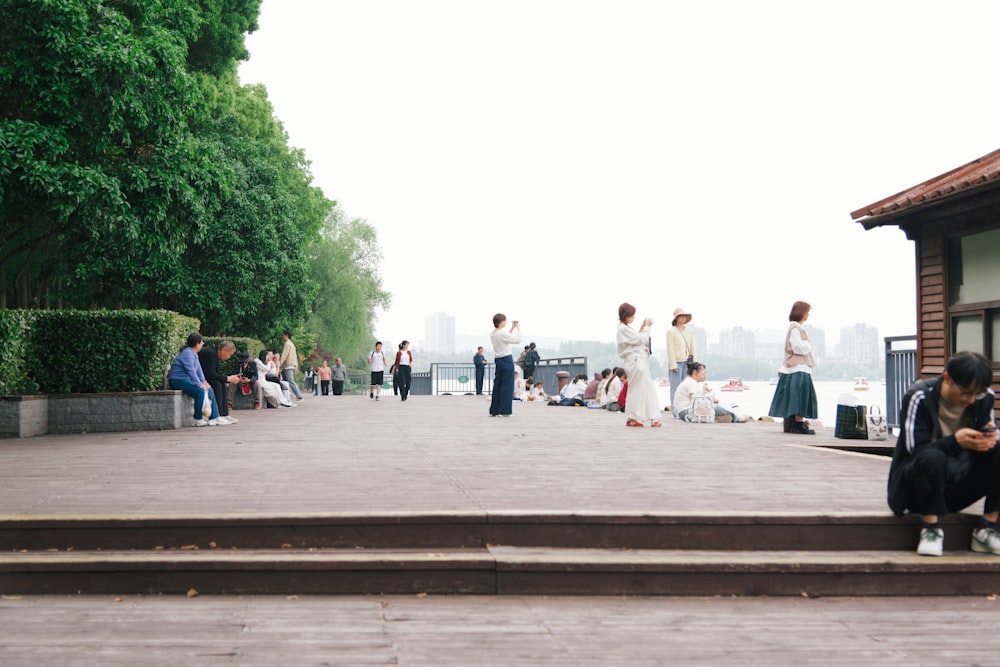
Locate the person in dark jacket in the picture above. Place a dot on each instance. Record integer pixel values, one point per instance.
(209, 358)
(246, 369)
(531, 359)
(946, 456)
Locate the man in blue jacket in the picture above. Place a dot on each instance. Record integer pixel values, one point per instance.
(946, 456)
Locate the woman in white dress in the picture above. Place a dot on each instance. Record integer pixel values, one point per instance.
(641, 403)
(272, 390)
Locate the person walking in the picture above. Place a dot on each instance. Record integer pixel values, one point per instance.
(680, 352)
(325, 373)
(339, 376)
(641, 405)
(502, 401)
(404, 364)
(376, 360)
(795, 396)
(289, 362)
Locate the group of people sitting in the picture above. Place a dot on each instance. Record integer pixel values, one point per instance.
(195, 371)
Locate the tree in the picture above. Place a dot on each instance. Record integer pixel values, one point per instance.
(344, 265)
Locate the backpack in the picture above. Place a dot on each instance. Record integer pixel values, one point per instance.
(702, 410)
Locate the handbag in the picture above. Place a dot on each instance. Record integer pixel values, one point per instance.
(851, 422)
(878, 428)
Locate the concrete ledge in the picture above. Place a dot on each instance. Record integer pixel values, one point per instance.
(27, 416)
(24, 416)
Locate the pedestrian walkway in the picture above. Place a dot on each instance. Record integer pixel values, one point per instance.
(349, 455)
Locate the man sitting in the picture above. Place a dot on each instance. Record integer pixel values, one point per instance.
(946, 456)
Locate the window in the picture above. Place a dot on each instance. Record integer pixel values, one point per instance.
(974, 293)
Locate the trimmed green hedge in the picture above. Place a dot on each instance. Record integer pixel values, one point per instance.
(15, 378)
(91, 351)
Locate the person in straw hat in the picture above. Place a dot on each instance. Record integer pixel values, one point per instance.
(680, 350)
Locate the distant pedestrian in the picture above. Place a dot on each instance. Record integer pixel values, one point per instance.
(795, 397)
(502, 402)
(339, 376)
(680, 352)
(376, 361)
(325, 374)
(404, 364)
(641, 405)
(479, 361)
(531, 359)
(289, 362)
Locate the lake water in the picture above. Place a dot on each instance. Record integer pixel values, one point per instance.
(756, 400)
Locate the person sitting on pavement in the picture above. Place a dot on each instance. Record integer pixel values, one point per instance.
(946, 457)
(209, 358)
(612, 388)
(693, 385)
(186, 375)
(572, 393)
(537, 392)
(590, 393)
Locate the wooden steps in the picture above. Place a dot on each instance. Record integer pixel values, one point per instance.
(489, 553)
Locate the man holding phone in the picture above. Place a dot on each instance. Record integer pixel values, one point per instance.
(946, 456)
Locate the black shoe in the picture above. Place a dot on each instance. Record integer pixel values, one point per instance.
(789, 425)
(800, 427)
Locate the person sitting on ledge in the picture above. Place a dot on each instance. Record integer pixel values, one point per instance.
(946, 456)
(186, 375)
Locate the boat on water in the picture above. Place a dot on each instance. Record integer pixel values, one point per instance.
(860, 383)
(734, 384)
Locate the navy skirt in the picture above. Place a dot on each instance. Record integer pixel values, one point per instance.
(794, 395)
(503, 386)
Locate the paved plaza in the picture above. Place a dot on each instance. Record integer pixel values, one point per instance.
(350, 454)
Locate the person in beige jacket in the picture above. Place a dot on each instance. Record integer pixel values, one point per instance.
(680, 348)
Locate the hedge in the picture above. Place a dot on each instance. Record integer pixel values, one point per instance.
(89, 351)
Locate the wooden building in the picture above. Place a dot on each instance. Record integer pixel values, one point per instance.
(954, 219)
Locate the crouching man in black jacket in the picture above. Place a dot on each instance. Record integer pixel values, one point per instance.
(946, 456)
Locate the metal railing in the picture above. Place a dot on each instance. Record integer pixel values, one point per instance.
(460, 378)
(900, 373)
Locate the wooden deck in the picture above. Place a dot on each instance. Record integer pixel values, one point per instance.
(336, 457)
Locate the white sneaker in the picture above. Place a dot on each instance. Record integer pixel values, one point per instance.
(931, 542)
(213, 422)
(986, 541)
(223, 421)
(201, 422)
(232, 420)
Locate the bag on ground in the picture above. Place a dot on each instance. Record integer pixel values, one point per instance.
(878, 428)
(851, 424)
(702, 410)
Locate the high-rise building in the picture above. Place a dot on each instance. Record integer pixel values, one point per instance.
(817, 341)
(738, 343)
(859, 344)
(439, 333)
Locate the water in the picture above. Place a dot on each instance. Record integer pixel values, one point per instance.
(756, 400)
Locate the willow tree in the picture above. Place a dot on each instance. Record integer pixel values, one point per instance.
(345, 267)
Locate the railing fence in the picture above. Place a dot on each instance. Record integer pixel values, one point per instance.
(900, 373)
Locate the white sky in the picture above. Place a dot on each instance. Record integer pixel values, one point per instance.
(696, 154)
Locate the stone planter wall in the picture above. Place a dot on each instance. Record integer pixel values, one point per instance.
(26, 416)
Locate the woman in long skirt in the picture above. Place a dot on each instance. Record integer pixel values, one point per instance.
(641, 404)
(503, 380)
(795, 397)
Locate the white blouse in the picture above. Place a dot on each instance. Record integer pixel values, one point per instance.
(502, 340)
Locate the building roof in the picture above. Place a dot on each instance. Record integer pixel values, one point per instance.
(962, 180)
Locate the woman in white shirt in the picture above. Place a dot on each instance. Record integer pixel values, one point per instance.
(503, 380)
(633, 346)
(612, 388)
(795, 397)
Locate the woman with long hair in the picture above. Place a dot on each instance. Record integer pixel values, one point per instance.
(641, 404)
(795, 397)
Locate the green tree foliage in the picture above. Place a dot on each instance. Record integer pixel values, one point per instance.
(135, 172)
(344, 265)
